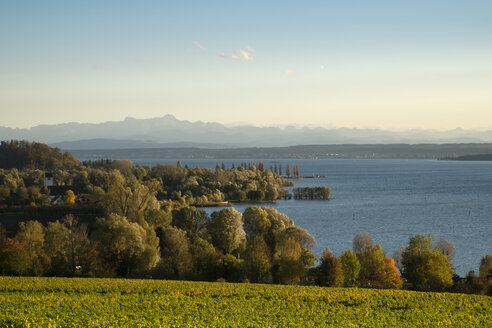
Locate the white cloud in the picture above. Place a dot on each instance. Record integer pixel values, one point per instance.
(240, 54)
(288, 72)
(249, 49)
(202, 48)
(244, 55)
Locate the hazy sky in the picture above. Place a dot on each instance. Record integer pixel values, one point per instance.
(390, 64)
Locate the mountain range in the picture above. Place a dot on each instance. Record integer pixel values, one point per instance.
(169, 132)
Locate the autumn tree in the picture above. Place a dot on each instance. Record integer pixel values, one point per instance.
(377, 269)
(24, 254)
(69, 197)
(425, 266)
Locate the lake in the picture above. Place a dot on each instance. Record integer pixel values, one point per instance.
(392, 200)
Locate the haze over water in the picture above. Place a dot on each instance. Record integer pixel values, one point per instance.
(392, 200)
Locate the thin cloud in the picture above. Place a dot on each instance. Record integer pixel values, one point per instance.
(240, 54)
(202, 48)
(288, 72)
(321, 67)
(244, 55)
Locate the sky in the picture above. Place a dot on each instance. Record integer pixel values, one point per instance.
(369, 64)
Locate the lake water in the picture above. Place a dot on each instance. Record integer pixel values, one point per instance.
(392, 200)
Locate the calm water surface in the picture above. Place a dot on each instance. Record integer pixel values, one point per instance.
(392, 200)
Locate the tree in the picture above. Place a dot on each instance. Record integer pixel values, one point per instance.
(225, 229)
(397, 257)
(257, 260)
(126, 248)
(329, 272)
(447, 248)
(30, 240)
(287, 170)
(486, 267)
(485, 271)
(289, 246)
(158, 218)
(261, 166)
(351, 267)
(130, 198)
(256, 221)
(205, 258)
(377, 270)
(82, 254)
(425, 266)
(292, 256)
(228, 268)
(69, 197)
(296, 170)
(289, 269)
(14, 258)
(189, 219)
(57, 249)
(176, 261)
(362, 241)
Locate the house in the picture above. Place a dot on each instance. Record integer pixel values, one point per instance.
(48, 179)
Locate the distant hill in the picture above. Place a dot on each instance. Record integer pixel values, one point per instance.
(479, 157)
(169, 132)
(434, 151)
(101, 143)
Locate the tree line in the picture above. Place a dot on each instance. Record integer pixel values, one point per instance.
(259, 245)
(23, 165)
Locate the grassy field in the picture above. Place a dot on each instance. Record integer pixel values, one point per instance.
(71, 302)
